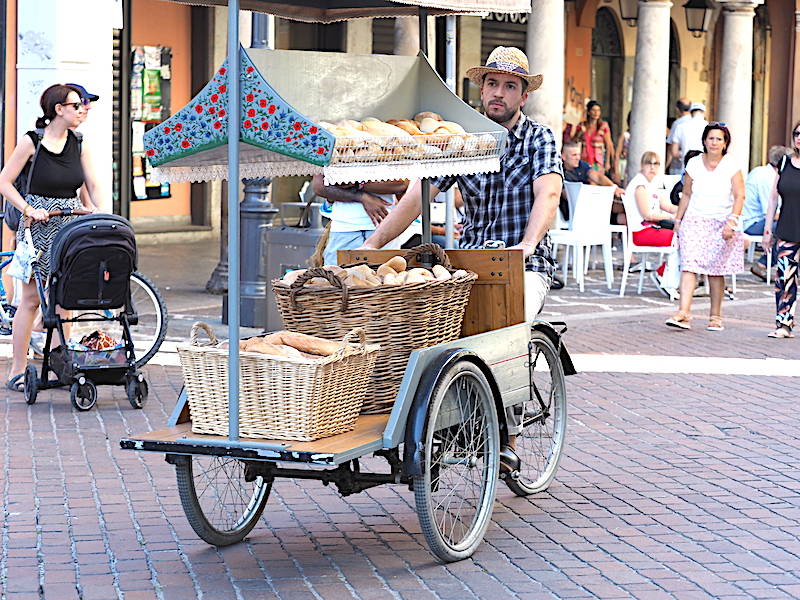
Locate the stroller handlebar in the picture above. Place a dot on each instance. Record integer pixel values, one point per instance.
(61, 212)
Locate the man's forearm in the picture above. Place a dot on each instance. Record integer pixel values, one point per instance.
(542, 215)
(401, 216)
(339, 194)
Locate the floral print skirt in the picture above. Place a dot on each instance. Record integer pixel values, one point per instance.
(705, 252)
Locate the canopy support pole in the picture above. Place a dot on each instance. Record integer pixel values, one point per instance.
(424, 183)
(450, 61)
(233, 219)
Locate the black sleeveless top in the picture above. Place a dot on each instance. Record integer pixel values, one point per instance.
(57, 175)
(788, 228)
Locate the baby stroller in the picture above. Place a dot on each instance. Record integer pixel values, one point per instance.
(91, 262)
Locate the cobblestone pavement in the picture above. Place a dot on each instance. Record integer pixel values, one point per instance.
(673, 485)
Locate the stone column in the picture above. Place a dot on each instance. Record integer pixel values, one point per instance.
(736, 76)
(406, 36)
(650, 83)
(545, 50)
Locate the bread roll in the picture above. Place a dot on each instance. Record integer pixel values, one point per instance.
(398, 263)
(427, 115)
(401, 278)
(460, 273)
(360, 280)
(415, 278)
(441, 273)
(320, 281)
(410, 127)
(452, 127)
(424, 273)
(363, 268)
(428, 125)
(392, 278)
(385, 269)
(455, 144)
(351, 124)
(487, 142)
(336, 270)
(290, 277)
(302, 342)
(470, 145)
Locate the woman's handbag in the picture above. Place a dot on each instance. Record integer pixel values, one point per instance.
(671, 280)
(21, 266)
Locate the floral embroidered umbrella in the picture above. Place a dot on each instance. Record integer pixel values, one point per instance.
(274, 138)
(326, 11)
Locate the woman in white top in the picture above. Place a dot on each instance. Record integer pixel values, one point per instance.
(646, 206)
(706, 224)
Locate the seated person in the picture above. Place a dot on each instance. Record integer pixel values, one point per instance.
(579, 171)
(651, 215)
(677, 190)
(356, 211)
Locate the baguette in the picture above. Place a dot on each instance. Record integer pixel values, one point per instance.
(304, 343)
(410, 127)
(272, 349)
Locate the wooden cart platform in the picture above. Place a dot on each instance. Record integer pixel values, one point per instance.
(366, 438)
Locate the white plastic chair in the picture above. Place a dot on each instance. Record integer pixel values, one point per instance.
(751, 252)
(590, 227)
(572, 189)
(633, 215)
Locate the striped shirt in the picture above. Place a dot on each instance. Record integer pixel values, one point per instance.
(497, 205)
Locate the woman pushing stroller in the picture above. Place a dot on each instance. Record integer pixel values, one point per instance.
(61, 166)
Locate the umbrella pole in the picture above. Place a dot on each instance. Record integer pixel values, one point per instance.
(233, 219)
(425, 183)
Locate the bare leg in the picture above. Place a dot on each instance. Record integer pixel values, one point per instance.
(716, 284)
(688, 283)
(23, 324)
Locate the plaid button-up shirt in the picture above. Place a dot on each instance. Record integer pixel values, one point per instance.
(497, 205)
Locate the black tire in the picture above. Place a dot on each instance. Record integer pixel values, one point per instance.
(137, 392)
(151, 329)
(456, 491)
(83, 396)
(541, 442)
(220, 505)
(31, 387)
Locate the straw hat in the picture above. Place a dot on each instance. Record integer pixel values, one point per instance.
(508, 61)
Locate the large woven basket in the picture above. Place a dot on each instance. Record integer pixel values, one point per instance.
(279, 398)
(399, 318)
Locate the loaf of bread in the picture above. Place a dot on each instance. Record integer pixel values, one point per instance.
(427, 115)
(441, 273)
(290, 277)
(410, 127)
(385, 270)
(302, 342)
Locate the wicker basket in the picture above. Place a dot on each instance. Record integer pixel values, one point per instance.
(279, 398)
(399, 318)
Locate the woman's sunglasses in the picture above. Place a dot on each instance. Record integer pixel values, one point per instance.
(75, 105)
(796, 134)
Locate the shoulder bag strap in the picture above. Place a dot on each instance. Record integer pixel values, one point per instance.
(783, 163)
(39, 135)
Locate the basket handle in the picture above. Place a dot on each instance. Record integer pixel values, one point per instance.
(347, 339)
(195, 334)
(430, 248)
(297, 288)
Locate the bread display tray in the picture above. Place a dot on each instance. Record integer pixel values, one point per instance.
(286, 94)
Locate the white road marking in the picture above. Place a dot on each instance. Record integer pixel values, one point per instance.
(705, 365)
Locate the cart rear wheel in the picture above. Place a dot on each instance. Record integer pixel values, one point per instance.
(83, 395)
(455, 494)
(541, 442)
(221, 505)
(31, 387)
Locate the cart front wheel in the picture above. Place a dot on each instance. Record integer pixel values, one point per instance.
(455, 493)
(83, 395)
(544, 420)
(221, 505)
(136, 391)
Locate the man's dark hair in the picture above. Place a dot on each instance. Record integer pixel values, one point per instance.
(690, 155)
(683, 107)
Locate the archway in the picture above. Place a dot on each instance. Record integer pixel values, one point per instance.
(608, 68)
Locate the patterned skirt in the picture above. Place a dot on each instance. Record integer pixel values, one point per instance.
(705, 252)
(42, 232)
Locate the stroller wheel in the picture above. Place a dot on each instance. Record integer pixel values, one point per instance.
(31, 388)
(137, 392)
(83, 395)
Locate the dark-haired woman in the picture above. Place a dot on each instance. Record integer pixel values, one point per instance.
(60, 169)
(595, 136)
(707, 224)
(787, 238)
